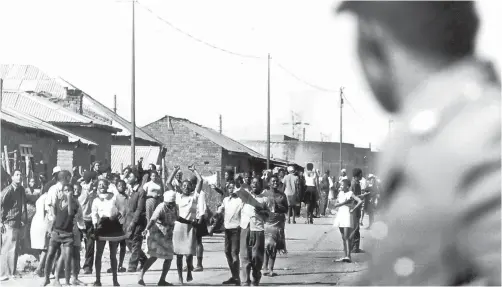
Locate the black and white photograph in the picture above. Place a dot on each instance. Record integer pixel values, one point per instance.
(250, 143)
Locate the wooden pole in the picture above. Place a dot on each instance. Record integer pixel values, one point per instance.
(15, 159)
(221, 125)
(268, 114)
(115, 103)
(133, 96)
(27, 162)
(341, 127)
(163, 170)
(7, 162)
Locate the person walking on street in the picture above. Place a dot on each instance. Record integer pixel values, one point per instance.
(419, 60)
(14, 218)
(292, 190)
(355, 187)
(87, 196)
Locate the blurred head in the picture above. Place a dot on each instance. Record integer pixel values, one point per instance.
(179, 176)
(32, 183)
(154, 176)
(400, 44)
(103, 186)
(273, 182)
(229, 175)
(114, 178)
(77, 189)
(132, 179)
(17, 176)
(239, 181)
(96, 166)
(64, 177)
(121, 186)
(255, 185)
(170, 197)
(345, 185)
(152, 167)
(310, 166)
(42, 179)
(186, 187)
(126, 171)
(231, 187)
(66, 191)
(281, 173)
(344, 172)
(357, 173)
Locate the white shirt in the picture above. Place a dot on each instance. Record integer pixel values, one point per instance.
(310, 180)
(364, 184)
(104, 207)
(231, 208)
(113, 189)
(249, 217)
(52, 194)
(187, 205)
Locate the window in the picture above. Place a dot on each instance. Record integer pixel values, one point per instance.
(25, 150)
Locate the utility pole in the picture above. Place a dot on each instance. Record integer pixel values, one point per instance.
(303, 133)
(341, 126)
(1, 91)
(133, 96)
(268, 112)
(221, 125)
(115, 103)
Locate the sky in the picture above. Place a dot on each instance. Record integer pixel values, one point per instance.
(88, 43)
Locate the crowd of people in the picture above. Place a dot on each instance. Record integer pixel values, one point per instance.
(97, 207)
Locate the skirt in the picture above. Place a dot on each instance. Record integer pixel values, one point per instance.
(275, 237)
(344, 218)
(184, 239)
(110, 230)
(38, 232)
(160, 245)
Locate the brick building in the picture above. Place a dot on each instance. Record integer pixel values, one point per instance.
(41, 144)
(189, 143)
(324, 155)
(116, 145)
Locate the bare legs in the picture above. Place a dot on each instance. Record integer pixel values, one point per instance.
(292, 211)
(346, 239)
(270, 254)
(179, 266)
(41, 265)
(200, 254)
(100, 247)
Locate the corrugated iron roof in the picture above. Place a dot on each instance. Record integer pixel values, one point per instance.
(122, 155)
(43, 109)
(26, 121)
(30, 78)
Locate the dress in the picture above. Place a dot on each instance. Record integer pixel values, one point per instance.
(275, 237)
(153, 193)
(184, 234)
(160, 241)
(38, 230)
(104, 213)
(343, 217)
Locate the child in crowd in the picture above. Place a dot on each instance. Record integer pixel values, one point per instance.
(123, 202)
(344, 219)
(64, 211)
(78, 229)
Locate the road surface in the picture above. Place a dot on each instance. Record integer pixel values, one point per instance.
(311, 250)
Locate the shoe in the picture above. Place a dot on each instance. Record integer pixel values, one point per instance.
(357, 251)
(289, 221)
(248, 283)
(141, 282)
(87, 271)
(198, 269)
(131, 270)
(347, 260)
(164, 283)
(230, 281)
(273, 274)
(255, 284)
(97, 283)
(109, 270)
(4, 278)
(294, 221)
(116, 283)
(121, 270)
(76, 282)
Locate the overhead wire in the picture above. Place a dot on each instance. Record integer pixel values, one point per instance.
(198, 39)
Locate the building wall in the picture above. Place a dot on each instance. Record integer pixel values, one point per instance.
(185, 147)
(44, 147)
(100, 136)
(324, 155)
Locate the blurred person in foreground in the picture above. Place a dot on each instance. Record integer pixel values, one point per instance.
(440, 220)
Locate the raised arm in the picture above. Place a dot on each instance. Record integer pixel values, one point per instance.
(198, 187)
(169, 182)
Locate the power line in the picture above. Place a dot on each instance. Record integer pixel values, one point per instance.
(304, 81)
(198, 39)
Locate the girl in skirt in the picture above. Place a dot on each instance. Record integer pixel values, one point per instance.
(160, 239)
(106, 218)
(344, 219)
(154, 190)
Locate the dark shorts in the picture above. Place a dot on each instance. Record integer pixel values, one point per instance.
(310, 195)
(61, 237)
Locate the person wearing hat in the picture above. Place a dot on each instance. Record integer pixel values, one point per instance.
(159, 234)
(419, 60)
(291, 189)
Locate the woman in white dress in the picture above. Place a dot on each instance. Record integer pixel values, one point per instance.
(38, 232)
(344, 219)
(184, 239)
